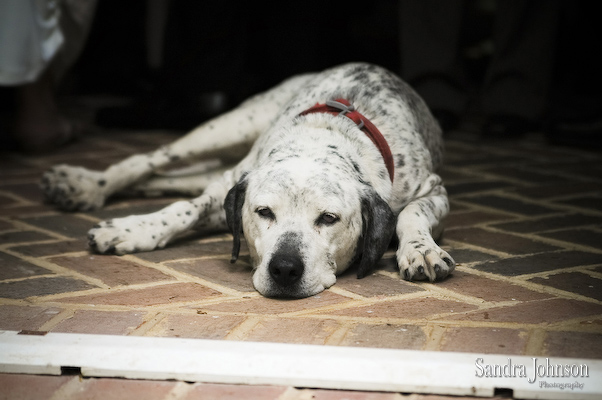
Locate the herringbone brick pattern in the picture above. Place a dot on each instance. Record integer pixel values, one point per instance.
(525, 229)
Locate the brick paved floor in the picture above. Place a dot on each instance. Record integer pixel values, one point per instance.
(525, 229)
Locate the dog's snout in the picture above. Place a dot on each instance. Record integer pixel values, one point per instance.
(285, 270)
(286, 265)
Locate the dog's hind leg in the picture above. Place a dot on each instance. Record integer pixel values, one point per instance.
(150, 231)
(77, 188)
(190, 185)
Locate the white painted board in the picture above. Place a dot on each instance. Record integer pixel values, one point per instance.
(329, 367)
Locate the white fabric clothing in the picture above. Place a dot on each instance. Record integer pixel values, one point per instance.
(30, 37)
(35, 32)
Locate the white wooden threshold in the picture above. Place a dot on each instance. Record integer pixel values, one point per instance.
(307, 366)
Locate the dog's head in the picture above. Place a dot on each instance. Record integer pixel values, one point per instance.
(306, 220)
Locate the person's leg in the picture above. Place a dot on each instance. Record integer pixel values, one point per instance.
(35, 52)
(517, 82)
(38, 123)
(430, 58)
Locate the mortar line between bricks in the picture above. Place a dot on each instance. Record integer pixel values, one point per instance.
(87, 217)
(10, 230)
(57, 319)
(513, 217)
(574, 195)
(416, 284)
(564, 294)
(28, 278)
(353, 320)
(542, 239)
(575, 324)
(346, 293)
(179, 391)
(353, 303)
(551, 203)
(569, 176)
(5, 301)
(485, 175)
(7, 246)
(564, 326)
(242, 330)
(563, 244)
(78, 253)
(21, 201)
(179, 307)
(535, 342)
(559, 293)
(225, 257)
(60, 271)
(292, 393)
(452, 295)
(457, 198)
(339, 334)
(545, 274)
(518, 281)
(519, 216)
(155, 326)
(593, 274)
(174, 308)
(69, 389)
(28, 227)
(158, 307)
(183, 276)
(486, 250)
(194, 305)
(584, 323)
(370, 302)
(104, 290)
(149, 321)
(503, 325)
(434, 335)
(556, 208)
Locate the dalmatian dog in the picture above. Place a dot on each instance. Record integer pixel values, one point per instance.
(336, 164)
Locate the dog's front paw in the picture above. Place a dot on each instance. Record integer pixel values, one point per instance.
(125, 235)
(74, 188)
(421, 259)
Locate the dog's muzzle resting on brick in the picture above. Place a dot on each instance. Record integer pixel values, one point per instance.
(331, 166)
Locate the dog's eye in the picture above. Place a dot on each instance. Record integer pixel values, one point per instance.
(265, 212)
(327, 219)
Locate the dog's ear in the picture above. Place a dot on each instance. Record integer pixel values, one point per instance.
(233, 207)
(378, 228)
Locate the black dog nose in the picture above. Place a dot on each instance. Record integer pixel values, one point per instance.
(286, 270)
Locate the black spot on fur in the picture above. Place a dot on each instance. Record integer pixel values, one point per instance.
(401, 162)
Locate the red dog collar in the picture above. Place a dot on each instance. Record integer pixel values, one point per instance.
(345, 108)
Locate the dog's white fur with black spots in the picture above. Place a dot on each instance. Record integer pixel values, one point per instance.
(311, 196)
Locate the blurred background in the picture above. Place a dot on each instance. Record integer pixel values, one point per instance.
(513, 66)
